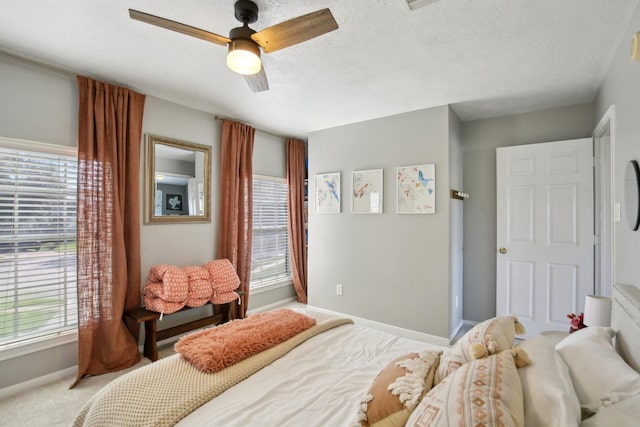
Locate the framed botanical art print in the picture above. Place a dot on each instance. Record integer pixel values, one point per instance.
(366, 191)
(327, 192)
(416, 189)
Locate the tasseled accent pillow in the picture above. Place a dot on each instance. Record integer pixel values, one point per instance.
(489, 337)
(398, 388)
(484, 392)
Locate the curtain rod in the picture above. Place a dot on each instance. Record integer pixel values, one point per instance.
(249, 124)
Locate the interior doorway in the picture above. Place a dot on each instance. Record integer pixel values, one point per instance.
(605, 213)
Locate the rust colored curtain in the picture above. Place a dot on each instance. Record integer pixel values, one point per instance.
(297, 233)
(236, 222)
(109, 131)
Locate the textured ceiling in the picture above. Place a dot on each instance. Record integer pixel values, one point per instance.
(485, 57)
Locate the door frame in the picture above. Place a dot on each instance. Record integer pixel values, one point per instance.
(604, 209)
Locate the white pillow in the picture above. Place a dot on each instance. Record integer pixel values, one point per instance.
(549, 397)
(622, 414)
(600, 376)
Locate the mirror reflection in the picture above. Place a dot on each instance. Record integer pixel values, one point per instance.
(177, 182)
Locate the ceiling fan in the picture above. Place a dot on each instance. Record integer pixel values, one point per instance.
(245, 44)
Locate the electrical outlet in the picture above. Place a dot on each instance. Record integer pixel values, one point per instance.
(616, 212)
(338, 289)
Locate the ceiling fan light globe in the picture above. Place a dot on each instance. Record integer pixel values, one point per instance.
(244, 57)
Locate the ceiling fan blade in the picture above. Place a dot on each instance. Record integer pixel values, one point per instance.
(178, 27)
(296, 30)
(257, 82)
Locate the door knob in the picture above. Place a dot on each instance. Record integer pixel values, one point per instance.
(502, 250)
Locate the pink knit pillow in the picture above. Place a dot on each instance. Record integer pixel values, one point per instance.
(174, 283)
(225, 280)
(200, 288)
(166, 289)
(161, 306)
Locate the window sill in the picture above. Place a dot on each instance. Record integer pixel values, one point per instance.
(267, 288)
(11, 351)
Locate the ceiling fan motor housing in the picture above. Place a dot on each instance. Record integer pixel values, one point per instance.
(244, 53)
(241, 38)
(246, 11)
(243, 32)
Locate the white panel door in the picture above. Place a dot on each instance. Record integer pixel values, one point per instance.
(544, 232)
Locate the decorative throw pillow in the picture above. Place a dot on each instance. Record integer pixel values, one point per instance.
(484, 392)
(600, 376)
(174, 283)
(225, 280)
(166, 289)
(549, 397)
(488, 337)
(398, 388)
(200, 289)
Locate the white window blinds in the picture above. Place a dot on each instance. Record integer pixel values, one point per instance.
(270, 248)
(38, 210)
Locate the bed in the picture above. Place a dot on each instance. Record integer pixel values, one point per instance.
(335, 378)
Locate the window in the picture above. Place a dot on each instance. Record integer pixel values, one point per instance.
(38, 210)
(270, 246)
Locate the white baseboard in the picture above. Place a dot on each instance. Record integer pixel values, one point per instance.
(37, 382)
(396, 330)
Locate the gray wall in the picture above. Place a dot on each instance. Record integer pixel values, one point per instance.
(621, 87)
(480, 140)
(269, 155)
(41, 105)
(394, 268)
(37, 104)
(181, 244)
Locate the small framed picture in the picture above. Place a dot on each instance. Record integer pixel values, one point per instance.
(327, 192)
(366, 191)
(174, 202)
(417, 189)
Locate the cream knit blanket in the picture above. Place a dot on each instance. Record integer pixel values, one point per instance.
(163, 393)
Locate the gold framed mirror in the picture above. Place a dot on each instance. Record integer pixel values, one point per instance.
(177, 181)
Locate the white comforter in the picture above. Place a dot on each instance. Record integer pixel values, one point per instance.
(319, 383)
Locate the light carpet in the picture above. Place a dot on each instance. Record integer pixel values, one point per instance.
(54, 404)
